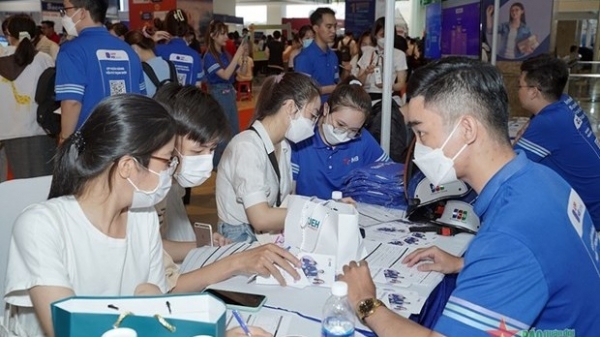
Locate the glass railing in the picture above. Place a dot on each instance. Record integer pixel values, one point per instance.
(584, 87)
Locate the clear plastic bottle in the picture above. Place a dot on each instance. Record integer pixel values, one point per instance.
(338, 316)
(336, 195)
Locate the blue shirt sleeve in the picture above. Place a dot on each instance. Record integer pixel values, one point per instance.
(372, 150)
(501, 288)
(200, 70)
(302, 64)
(71, 77)
(210, 63)
(539, 139)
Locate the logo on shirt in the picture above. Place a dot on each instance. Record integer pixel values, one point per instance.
(181, 58)
(577, 121)
(576, 211)
(111, 55)
(348, 161)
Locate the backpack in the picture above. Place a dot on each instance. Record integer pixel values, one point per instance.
(154, 79)
(400, 136)
(47, 104)
(344, 51)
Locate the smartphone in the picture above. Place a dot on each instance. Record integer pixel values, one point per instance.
(239, 300)
(245, 39)
(377, 74)
(204, 234)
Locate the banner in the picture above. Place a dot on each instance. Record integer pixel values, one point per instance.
(360, 15)
(433, 31)
(460, 28)
(524, 27)
(143, 12)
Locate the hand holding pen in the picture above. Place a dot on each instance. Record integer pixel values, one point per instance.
(244, 330)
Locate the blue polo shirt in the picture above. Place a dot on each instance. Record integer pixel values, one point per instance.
(96, 65)
(561, 137)
(186, 60)
(211, 66)
(320, 169)
(321, 65)
(534, 264)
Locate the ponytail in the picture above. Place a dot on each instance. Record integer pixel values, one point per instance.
(22, 27)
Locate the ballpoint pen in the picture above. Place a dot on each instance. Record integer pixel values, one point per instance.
(241, 321)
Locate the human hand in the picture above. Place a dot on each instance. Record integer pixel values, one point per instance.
(242, 50)
(219, 240)
(380, 85)
(370, 69)
(349, 200)
(442, 262)
(255, 331)
(146, 289)
(161, 35)
(264, 260)
(360, 283)
(490, 10)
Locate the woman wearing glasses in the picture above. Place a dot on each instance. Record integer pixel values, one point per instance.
(254, 175)
(339, 145)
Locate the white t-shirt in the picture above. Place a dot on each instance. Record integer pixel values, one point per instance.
(18, 109)
(175, 224)
(47, 46)
(511, 42)
(375, 58)
(246, 177)
(54, 244)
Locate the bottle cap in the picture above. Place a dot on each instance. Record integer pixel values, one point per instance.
(339, 289)
(336, 195)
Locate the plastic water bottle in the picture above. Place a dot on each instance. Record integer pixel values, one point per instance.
(336, 196)
(338, 316)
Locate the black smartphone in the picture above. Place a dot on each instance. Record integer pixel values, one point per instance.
(239, 300)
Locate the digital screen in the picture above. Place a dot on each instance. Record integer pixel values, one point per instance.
(433, 28)
(460, 28)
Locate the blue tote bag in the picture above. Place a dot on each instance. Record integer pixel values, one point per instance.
(150, 316)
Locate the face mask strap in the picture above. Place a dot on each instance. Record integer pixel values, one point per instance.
(450, 136)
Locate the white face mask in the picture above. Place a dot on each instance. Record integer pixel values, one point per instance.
(194, 169)
(69, 25)
(145, 199)
(366, 49)
(334, 136)
(381, 42)
(438, 168)
(300, 128)
(306, 43)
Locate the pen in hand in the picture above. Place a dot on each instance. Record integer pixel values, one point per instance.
(241, 322)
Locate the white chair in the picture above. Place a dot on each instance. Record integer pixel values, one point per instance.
(15, 195)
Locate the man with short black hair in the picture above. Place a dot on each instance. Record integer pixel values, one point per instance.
(533, 267)
(559, 135)
(318, 60)
(93, 66)
(274, 53)
(48, 30)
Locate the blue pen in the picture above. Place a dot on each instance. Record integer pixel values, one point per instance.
(241, 321)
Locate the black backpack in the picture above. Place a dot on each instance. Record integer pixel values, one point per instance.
(344, 51)
(47, 104)
(400, 135)
(154, 79)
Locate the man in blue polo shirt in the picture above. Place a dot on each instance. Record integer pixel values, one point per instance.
(560, 135)
(92, 66)
(533, 269)
(187, 61)
(318, 60)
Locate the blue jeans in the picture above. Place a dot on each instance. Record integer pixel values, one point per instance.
(237, 233)
(225, 94)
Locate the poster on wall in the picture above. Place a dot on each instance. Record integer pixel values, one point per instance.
(433, 31)
(143, 12)
(460, 28)
(360, 15)
(523, 27)
(199, 14)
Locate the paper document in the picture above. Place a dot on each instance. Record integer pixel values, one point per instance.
(277, 324)
(373, 214)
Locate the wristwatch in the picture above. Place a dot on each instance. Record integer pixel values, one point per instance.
(367, 307)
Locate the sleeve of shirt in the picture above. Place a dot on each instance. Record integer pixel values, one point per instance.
(157, 274)
(372, 150)
(501, 290)
(538, 140)
(210, 63)
(400, 60)
(302, 64)
(248, 178)
(35, 257)
(71, 77)
(200, 70)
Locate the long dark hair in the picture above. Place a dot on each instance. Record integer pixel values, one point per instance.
(216, 27)
(120, 125)
(279, 88)
(176, 22)
(20, 24)
(197, 114)
(137, 37)
(522, 18)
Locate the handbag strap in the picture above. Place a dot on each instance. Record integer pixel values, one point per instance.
(275, 165)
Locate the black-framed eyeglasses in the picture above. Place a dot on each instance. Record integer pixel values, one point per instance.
(171, 162)
(63, 11)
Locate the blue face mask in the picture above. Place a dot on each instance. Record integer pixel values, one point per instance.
(306, 43)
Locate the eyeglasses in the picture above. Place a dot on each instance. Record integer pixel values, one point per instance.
(313, 116)
(63, 11)
(171, 162)
(339, 129)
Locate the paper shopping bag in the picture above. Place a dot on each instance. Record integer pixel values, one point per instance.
(160, 316)
(324, 227)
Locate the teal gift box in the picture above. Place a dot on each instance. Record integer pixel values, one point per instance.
(183, 315)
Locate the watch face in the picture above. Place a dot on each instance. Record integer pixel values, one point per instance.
(366, 305)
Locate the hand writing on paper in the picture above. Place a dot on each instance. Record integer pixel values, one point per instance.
(360, 283)
(264, 259)
(256, 332)
(442, 262)
(219, 240)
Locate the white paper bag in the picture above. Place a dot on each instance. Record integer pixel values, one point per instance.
(325, 227)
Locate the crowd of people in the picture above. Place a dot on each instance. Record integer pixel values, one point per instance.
(138, 127)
